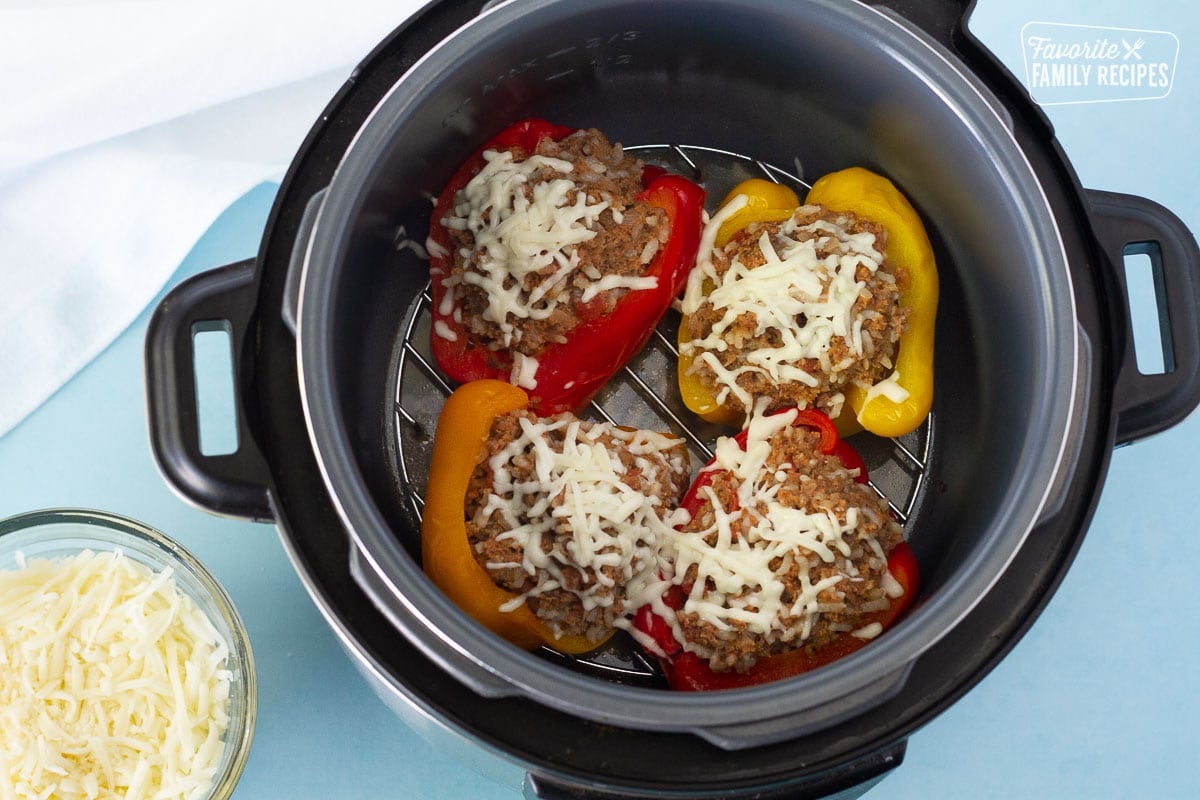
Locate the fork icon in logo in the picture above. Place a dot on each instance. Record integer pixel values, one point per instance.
(1131, 50)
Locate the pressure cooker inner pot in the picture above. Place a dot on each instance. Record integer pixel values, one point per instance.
(800, 88)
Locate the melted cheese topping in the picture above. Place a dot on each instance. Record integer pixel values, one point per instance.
(806, 299)
(615, 529)
(632, 551)
(112, 683)
(525, 245)
(739, 580)
(524, 371)
(889, 387)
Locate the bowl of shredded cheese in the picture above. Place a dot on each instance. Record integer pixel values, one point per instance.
(125, 670)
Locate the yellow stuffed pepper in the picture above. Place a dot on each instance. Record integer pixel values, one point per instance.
(462, 435)
(892, 405)
(543, 527)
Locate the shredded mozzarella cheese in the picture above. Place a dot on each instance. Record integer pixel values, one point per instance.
(527, 239)
(524, 371)
(737, 579)
(889, 387)
(612, 524)
(806, 299)
(113, 684)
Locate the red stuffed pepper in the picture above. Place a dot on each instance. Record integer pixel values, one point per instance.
(552, 257)
(842, 574)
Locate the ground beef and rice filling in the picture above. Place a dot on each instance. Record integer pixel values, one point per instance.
(568, 515)
(786, 551)
(542, 238)
(795, 311)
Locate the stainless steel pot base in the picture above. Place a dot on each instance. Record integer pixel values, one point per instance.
(644, 394)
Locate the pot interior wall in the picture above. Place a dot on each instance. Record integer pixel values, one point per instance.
(807, 92)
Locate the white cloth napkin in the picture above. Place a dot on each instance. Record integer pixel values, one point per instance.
(126, 128)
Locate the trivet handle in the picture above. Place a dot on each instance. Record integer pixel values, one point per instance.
(1125, 225)
(232, 484)
(846, 781)
(290, 310)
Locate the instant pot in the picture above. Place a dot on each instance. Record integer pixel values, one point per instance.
(1036, 381)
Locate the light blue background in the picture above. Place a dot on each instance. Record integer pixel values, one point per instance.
(1100, 700)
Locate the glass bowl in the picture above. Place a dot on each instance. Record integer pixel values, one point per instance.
(61, 533)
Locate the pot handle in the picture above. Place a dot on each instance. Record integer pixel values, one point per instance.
(231, 484)
(843, 782)
(1126, 225)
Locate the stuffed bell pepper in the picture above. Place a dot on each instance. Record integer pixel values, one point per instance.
(788, 560)
(827, 305)
(542, 528)
(553, 255)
